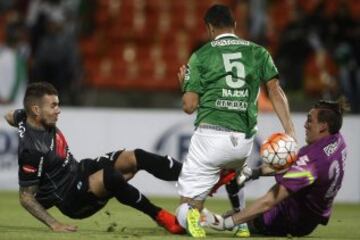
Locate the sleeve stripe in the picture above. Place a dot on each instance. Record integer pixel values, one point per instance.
(306, 174)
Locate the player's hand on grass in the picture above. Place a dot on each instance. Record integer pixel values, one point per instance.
(60, 227)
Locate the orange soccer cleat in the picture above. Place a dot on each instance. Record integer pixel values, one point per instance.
(169, 222)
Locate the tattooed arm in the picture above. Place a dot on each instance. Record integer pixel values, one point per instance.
(28, 201)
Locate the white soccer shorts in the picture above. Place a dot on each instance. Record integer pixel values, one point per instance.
(210, 151)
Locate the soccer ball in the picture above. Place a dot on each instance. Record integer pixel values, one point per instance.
(279, 151)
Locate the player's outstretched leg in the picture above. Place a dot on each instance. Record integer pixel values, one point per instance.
(169, 222)
(162, 167)
(127, 194)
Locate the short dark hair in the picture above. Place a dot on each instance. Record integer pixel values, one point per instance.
(331, 112)
(35, 91)
(219, 16)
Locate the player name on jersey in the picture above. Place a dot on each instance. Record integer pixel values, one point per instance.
(235, 93)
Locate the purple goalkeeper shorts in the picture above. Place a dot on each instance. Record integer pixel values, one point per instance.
(277, 222)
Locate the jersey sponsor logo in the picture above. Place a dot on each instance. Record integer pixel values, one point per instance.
(232, 105)
(235, 93)
(331, 148)
(227, 42)
(29, 169)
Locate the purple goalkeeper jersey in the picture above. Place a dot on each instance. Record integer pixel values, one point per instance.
(314, 179)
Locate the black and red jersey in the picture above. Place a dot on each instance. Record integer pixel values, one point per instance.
(45, 160)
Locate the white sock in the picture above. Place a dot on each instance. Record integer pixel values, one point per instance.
(241, 195)
(181, 213)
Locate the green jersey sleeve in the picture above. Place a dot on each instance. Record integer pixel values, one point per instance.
(192, 80)
(268, 68)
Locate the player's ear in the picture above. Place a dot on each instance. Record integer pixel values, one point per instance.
(210, 27)
(211, 30)
(35, 109)
(324, 127)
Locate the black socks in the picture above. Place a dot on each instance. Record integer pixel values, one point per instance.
(162, 167)
(232, 189)
(126, 194)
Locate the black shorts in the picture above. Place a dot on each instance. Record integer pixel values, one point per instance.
(79, 202)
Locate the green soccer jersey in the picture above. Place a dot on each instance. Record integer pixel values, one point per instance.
(226, 73)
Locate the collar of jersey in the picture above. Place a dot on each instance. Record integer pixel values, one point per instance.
(224, 35)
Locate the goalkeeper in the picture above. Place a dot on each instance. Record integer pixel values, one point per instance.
(302, 197)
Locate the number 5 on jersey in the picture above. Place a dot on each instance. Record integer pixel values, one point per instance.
(231, 61)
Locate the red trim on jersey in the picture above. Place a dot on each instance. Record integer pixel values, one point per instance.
(29, 169)
(61, 145)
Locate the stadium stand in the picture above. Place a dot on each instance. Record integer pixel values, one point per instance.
(140, 44)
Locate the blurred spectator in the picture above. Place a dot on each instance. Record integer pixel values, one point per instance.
(87, 10)
(344, 41)
(40, 11)
(304, 55)
(258, 18)
(55, 56)
(5, 5)
(293, 50)
(38, 14)
(56, 59)
(13, 69)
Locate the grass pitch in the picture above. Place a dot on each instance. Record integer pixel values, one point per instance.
(116, 221)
